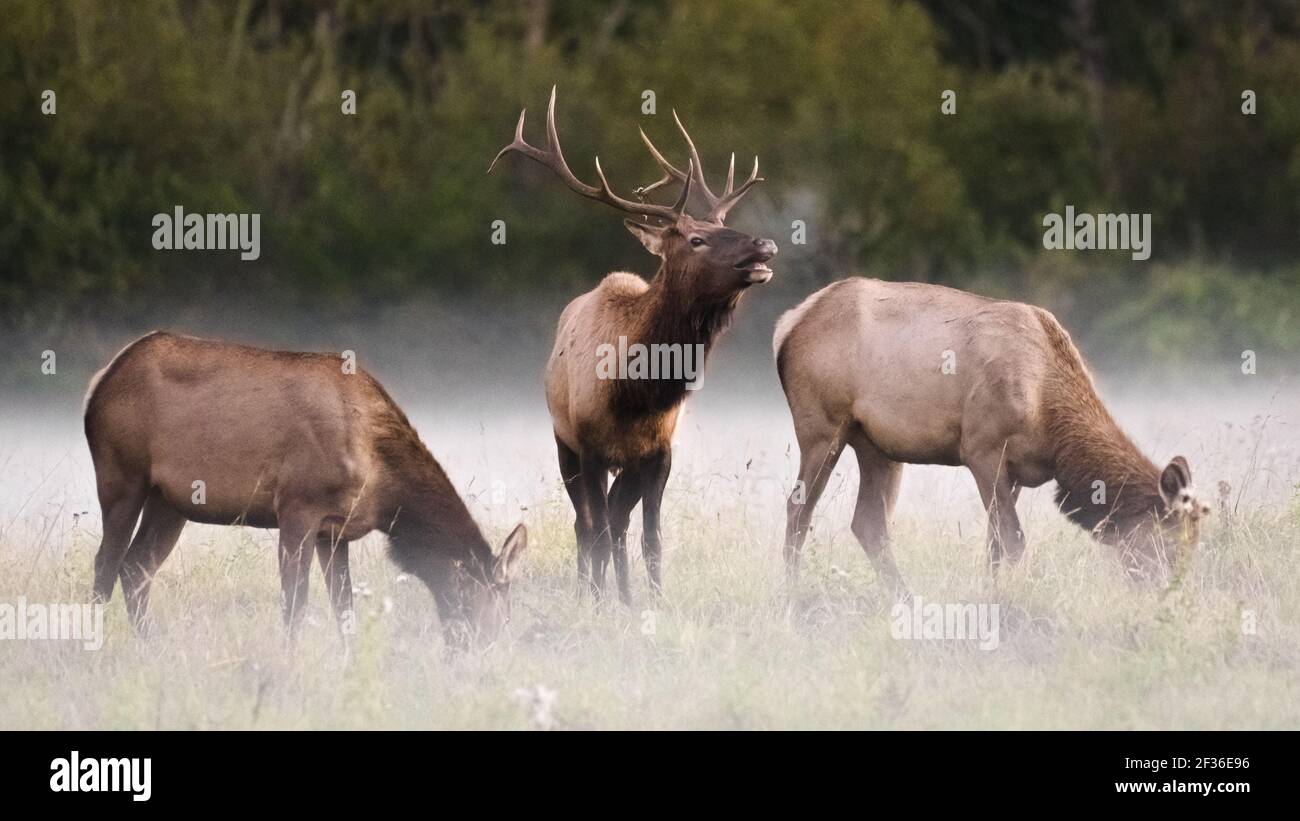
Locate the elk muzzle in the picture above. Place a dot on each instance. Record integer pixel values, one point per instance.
(755, 265)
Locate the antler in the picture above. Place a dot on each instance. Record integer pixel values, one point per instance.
(718, 206)
(553, 158)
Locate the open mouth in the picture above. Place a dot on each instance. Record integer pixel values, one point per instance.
(755, 268)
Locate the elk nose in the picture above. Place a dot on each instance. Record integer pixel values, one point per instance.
(766, 247)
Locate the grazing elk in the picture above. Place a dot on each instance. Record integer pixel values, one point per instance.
(906, 372)
(287, 440)
(626, 425)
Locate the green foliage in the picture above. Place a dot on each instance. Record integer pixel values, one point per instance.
(235, 107)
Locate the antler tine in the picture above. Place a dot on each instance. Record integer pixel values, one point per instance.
(718, 206)
(518, 144)
(679, 207)
(719, 211)
(553, 158)
(556, 154)
(695, 158)
(671, 172)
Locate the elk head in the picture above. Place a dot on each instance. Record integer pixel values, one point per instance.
(483, 608)
(1174, 529)
(717, 261)
(1182, 512)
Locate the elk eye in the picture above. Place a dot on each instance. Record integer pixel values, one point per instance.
(696, 242)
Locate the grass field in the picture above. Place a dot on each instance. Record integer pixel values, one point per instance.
(1080, 646)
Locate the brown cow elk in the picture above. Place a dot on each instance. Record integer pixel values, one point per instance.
(625, 425)
(923, 374)
(184, 429)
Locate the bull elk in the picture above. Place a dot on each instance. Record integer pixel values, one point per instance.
(279, 440)
(862, 363)
(625, 425)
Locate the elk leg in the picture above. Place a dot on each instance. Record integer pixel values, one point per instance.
(878, 483)
(297, 537)
(120, 500)
(999, 494)
(333, 556)
(570, 472)
(623, 496)
(160, 528)
(1013, 538)
(594, 478)
(817, 458)
(654, 478)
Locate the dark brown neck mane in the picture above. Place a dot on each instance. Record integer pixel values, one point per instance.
(1090, 447)
(430, 520)
(670, 312)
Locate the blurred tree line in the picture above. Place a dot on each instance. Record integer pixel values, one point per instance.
(235, 107)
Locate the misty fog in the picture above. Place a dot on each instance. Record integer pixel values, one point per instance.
(470, 379)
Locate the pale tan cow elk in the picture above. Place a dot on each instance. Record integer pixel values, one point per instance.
(184, 429)
(923, 374)
(626, 425)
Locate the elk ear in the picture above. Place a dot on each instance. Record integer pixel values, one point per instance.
(651, 236)
(510, 552)
(1176, 477)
